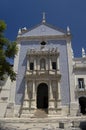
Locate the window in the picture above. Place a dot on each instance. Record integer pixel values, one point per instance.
(81, 83)
(54, 65)
(31, 66)
(42, 64)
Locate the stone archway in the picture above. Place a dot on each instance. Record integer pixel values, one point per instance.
(82, 102)
(42, 96)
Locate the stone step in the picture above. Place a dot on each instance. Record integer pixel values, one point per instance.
(40, 113)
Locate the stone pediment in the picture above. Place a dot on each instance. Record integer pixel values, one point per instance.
(43, 30)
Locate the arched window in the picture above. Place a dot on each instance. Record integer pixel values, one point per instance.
(42, 64)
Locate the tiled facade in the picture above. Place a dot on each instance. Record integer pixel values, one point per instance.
(48, 75)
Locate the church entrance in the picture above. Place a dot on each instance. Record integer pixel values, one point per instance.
(82, 102)
(42, 96)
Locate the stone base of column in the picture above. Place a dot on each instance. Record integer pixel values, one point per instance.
(74, 109)
(33, 105)
(59, 111)
(25, 113)
(55, 111)
(65, 110)
(59, 103)
(25, 110)
(25, 104)
(51, 104)
(51, 109)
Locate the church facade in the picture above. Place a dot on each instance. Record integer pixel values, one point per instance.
(49, 78)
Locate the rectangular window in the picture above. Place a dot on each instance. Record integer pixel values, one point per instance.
(54, 65)
(81, 83)
(31, 66)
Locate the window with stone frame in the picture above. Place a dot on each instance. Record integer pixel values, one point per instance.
(31, 66)
(54, 65)
(81, 83)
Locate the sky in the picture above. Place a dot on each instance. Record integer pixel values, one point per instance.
(60, 13)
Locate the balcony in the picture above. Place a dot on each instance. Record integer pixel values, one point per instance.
(43, 51)
(43, 72)
(80, 91)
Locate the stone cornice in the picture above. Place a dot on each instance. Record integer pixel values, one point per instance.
(54, 37)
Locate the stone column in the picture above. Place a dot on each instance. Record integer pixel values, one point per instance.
(26, 99)
(73, 104)
(35, 67)
(28, 64)
(25, 108)
(51, 100)
(59, 96)
(35, 64)
(33, 100)
(57, 63)
(38, 64)
(50, 64)
(47, 64)
(33, 93)
(50, 93)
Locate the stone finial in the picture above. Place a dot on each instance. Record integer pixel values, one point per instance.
(24, 28)
(44, 18)
(68, 30)
(19, 32)
(83, 53)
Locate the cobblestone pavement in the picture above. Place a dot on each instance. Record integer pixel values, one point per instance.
(54, 123)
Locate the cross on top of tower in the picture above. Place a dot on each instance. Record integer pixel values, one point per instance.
(44, 18)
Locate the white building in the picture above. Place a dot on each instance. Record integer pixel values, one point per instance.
(49, 78)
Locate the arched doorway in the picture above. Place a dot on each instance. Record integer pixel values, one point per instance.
(82, 102)
(42, 96)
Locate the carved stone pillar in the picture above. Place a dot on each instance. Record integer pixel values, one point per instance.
(33, 100)
(38, 64)
(25, 108)
(57, 63)
(47, 65)
(35, 64)
(50, 94)
(50, 64)
(58, 98)
(51, 99)
(28, 64)
(33, 93)
(26, 98)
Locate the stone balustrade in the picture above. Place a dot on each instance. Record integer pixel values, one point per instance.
(44, 51)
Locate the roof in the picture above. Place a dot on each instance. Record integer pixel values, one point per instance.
(43, 29)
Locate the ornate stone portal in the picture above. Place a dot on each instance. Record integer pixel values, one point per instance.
(42, 89)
